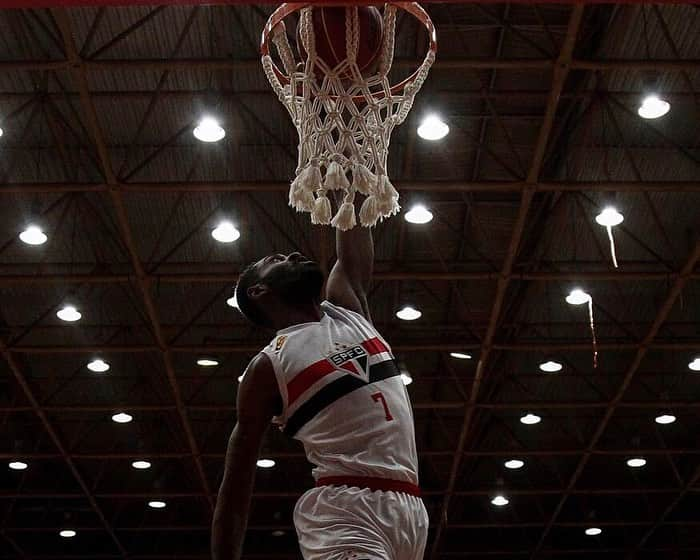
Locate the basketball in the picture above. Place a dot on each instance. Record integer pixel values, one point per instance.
(329, 32)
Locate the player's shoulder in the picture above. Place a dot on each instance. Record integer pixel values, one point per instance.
(276, 345)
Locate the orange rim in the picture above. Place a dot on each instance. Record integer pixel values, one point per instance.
(288, 8)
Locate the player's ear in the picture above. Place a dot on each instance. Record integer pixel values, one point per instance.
(256, 291)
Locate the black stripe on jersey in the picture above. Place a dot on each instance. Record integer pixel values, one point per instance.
(333, 391)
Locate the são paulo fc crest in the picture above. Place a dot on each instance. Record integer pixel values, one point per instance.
(353, 360)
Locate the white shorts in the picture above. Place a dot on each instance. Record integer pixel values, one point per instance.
(344, 523)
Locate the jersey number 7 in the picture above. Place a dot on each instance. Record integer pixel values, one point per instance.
(376, 397)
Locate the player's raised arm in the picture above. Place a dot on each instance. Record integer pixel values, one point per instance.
(350, 278)
(258, 401)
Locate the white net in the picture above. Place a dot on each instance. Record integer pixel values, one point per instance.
(344, 121)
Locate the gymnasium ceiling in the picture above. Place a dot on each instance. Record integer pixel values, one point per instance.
(97, 106)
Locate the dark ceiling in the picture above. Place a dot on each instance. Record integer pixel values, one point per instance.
(97, 106)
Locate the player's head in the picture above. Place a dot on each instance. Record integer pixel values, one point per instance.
(276, 283)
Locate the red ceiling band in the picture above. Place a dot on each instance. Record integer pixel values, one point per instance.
(77, 3)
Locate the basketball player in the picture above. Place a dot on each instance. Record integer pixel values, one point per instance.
(328, 379)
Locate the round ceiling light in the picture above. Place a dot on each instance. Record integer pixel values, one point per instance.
(636, 462)
(461, 355)
(514, 464)
(207, 362)
(67, 533)
(433, 128)
(665, 419)
(156, 504)
(551, 367)
(593, 531)
(225, 232)
(33, 235)
(531, 419)
(408, 313)
(141, 465)
(122, 418)
(609, 217)
(577, 297)
(209, 130)
(69, 314)
(418, 214)
(98, 366)
(407, 379)
(18, 465)
(500, 501)
(653, 107)
(266, 463)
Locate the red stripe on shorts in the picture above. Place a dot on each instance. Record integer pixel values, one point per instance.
(383, 484)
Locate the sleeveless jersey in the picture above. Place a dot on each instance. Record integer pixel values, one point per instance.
(343, 397)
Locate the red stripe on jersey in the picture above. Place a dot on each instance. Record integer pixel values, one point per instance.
(308, 377)
(374, 346)
(320, 369)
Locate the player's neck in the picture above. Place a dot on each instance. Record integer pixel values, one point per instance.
(298, 314)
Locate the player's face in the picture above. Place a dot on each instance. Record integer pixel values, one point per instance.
(294, 278)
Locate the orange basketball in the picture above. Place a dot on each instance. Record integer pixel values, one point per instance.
(329, 32)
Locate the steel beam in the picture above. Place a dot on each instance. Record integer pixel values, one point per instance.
(80, 76)
(560, 72)
(404, 186)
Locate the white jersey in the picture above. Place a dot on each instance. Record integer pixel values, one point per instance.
(343, 397)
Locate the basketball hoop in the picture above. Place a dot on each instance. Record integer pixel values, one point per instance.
(344, 118)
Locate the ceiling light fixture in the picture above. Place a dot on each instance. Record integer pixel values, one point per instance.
(665, 419)
(141, 465)
(577, 297)
(407, 379)
(694, 365)
(232, 302)
(207, 362)
(531, 419)
(33, 235)
(653, 107)
(500, 501)
(67, 533)
(98, 366)
(418, 214)
(593, 531)
(240, 377)
(156, 504)
(433, 128)
(266, 463)
(225, 232)
(18, 465)
(461, 356)
(209, 130)
(551, 367)
(514, 464)
(278, 533)
(69, 314)
(408, 313)
(610, 218)
(122, 418)
(636, 462)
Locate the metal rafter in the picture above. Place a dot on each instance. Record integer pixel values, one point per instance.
(79, 73)
(404, 186)
(646, 343)
(560, 72)
(19, 375)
